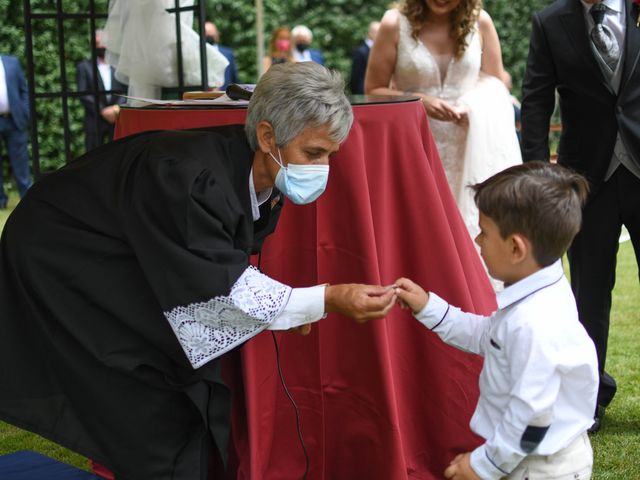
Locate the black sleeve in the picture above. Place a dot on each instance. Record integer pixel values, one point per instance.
(186, 227)
(538, 96)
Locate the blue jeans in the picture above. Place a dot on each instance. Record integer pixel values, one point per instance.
(16, 144)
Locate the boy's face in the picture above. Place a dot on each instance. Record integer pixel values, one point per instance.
(494, 250)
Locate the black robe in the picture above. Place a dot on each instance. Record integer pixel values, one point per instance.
(90, 259)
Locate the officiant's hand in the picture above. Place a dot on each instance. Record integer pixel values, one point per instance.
(460, 468)
(303, 330)
(360, 302)
(411, 295)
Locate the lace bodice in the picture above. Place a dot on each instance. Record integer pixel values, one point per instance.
(417, 69)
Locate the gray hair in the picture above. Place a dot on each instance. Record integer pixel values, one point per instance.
(301, 30)
(296, 95)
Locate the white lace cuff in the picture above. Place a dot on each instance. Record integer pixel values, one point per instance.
(207, 330)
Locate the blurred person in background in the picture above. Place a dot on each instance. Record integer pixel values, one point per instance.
(360, 58)
(213, 38)
(14, 118)
(280, 48)
(302, 38)
(108, 103)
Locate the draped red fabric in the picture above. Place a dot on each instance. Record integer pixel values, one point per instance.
(383, 400)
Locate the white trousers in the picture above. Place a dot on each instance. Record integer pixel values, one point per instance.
(573, 462)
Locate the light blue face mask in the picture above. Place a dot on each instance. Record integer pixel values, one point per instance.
(301, 184)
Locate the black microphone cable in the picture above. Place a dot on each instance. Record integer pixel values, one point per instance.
(295, 407)
(290, 397)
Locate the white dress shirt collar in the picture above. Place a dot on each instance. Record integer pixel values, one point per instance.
(615, 5)
(531, 284)
(258, 198)
(302, 57)
(369, 42)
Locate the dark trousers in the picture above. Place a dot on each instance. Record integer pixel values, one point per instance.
(16, 143)
(592, 260)
(94, 140)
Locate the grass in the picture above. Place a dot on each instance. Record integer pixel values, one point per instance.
(616, 446)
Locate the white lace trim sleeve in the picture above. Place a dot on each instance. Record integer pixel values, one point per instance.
(206, 330)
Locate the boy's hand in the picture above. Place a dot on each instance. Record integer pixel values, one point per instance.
(460, 468)
(411, 295)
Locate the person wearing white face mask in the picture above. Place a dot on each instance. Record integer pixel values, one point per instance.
(301, 184)
(151, 282)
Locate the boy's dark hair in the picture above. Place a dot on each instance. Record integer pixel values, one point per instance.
(539, 200)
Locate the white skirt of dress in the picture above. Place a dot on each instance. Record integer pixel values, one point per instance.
(140, 37)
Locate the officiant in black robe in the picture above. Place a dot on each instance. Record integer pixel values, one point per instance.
(125, 275)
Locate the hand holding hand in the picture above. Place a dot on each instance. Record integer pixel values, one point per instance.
(463, 113)
(440, 109)
(460, 468)
(360, 302)
(411, 295)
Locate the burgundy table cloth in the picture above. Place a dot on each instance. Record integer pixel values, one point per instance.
(386, 400)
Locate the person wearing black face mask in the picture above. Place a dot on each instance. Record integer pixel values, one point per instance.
(213, 38)
(108, 104)
(302, 38)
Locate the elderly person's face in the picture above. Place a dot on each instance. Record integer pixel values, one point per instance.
(312, 147)
(299, 169)
(302, 41)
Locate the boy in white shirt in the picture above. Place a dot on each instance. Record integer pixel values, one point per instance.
(539, 381)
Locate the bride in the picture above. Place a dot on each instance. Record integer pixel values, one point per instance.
(448, 53)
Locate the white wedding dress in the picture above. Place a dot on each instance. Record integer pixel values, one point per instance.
(469, 154)
(140, 37)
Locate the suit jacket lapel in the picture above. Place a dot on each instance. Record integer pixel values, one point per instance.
(632, 43)
(575, 26)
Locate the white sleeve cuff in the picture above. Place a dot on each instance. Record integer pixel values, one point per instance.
(484, 466)
(208, 329)
(305, 305)
(433, 312)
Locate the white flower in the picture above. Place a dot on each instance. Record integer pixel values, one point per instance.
(194, 336)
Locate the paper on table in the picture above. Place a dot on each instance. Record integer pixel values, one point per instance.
(222, 100)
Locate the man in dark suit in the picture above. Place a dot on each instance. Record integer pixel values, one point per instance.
(360, 59)
(588, 50)
(14, 118)
(213, 38)
(97, 133)
(302, 51)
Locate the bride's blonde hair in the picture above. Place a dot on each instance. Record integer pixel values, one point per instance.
(463, 19)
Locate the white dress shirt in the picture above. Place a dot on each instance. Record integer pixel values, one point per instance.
(301, 56)
(4, 96)
(305, 305)
(105, 74)
(540, 368)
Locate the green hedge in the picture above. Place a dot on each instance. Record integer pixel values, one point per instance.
(338, 27)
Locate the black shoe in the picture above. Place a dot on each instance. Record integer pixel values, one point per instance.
(3, 205)
(597, 419)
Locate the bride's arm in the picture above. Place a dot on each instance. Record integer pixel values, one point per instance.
(382, 63)
(491, 51)
(382, 59)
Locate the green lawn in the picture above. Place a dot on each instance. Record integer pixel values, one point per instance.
(616, 445)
